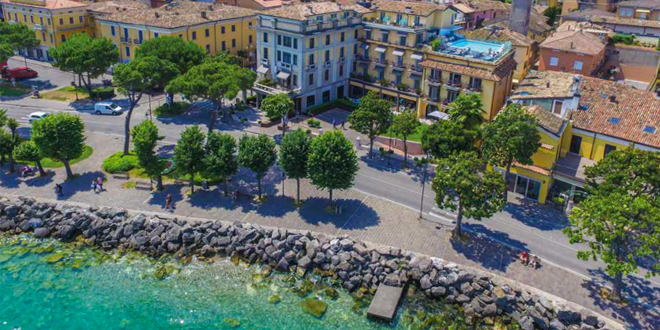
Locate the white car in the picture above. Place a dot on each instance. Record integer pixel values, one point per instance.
(36, 116)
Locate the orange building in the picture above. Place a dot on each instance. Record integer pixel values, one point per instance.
(573, 51)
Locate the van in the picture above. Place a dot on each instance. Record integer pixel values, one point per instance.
(107, 108)
(18, 73)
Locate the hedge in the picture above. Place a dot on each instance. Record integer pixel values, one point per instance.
(175, 109)
(120, 163)
(339, 103)
(103, 92)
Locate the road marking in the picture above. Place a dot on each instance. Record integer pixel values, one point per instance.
(443, 218)
(388, 183)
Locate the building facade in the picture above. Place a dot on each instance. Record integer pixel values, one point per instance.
(573, 51)
(308, 51)
(53, 21)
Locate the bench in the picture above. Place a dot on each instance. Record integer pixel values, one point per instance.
(120, 175)
(143, 185)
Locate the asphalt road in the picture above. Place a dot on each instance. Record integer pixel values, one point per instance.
(525, 229)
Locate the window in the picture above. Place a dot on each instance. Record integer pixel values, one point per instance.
(287, 41)
(327, 40)
(207, 33)
(554, 61)
(650, 129)
(48, 21)
(70, 20)
(233, 43)
(279, 40)
(265, 37)
(341, 70)
(614, 120)
(295, 43)
(222, 30)
(81, 19)
(31, 19)
(156, 34)
(577, 65)
(208, 48)
(112, 31)
(385, 37)
(556, 107)
(286, 57)
(608, 149)
(250, 24)
(311, 43)
(311, 82)
(403, 40)
(327, 55)
(295, 59)
(128, 51)
(311, 59)
(126, 36)
(233, 28)
(250, 39)
(25, 19)
(265, 53)
(43, 36)
(279, 56)
(326, 75)
(311, 101)
(576, 142)
(180, 35)
(61, 21)
(416, 84)
(224, 46)
(63, 38)
(341, 37)
(452, 96)
(417, 23)
(368, 34)
(51, 39)
(355, 34)
(140, 36)
(341, 52)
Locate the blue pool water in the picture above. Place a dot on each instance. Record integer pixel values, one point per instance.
(51, 285)
(475, 45)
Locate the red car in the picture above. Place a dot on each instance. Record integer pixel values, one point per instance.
(17, 73)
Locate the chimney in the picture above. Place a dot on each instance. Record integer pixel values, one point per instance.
(547, 84)
(157, 14)
(519, 16)
(572, 45)
(204, 15)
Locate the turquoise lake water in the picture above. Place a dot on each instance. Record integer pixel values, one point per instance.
(51, 285)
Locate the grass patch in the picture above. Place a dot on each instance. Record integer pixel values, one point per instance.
(174, 110)
(129, 185)
(338, 103)
(66, 94)
(415, 137)
(51, 163)
(6, 89)
(120, 163)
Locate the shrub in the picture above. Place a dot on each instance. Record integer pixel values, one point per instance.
(435, 44)
(314, 123)
(103, 93)
(175, 109)
(402, 87)
(267, 82)
(339, 103)
(384, 82)
(120, 163)
(623, 39)
(558, 200)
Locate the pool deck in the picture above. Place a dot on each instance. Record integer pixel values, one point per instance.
(385, 302)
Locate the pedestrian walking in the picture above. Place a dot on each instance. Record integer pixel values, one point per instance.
(94, 185)
(342, 124)
(99, 183)
(58, 189)
(168, 202)
(334, 124)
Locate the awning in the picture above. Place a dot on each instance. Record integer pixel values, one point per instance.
(283, 75)
(262, 69)
(416, 57)
(397, 53)
(439, 115)
(381, 49)
(365, 46)
(642, 10)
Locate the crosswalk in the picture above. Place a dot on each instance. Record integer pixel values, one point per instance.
(443, 216)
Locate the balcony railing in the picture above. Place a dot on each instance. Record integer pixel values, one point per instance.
(454, 83)
(474, 88)
(434, 81)
(416, 68)
(399, 64)
(380, 62)
(310, 67)
(274, 90)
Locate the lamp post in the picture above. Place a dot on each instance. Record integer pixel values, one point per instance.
(421, 203)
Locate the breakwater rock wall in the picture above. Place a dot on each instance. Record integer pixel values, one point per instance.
(356, 264)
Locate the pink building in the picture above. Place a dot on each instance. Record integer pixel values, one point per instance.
(472, 13)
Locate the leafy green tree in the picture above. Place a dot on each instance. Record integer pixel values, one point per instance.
(446, 137)
(461, 187)
(294, 154)
(85, 56)
(189, 153)
(404, 125)
(135, 78)
(258, 154)
(332, 163)
(14, 37)
(373, 117)
(145, 140)
(552, 13)
(183, 54)
(211, 80)
(220, 161)
(619, 222)
(28, 151)
(5, 144)
(246, 78)
(511, 137)
(61, 137)
(467, 110)
(278, 106)
(13, 141)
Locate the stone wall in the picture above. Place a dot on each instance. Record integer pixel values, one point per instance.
(357, 264)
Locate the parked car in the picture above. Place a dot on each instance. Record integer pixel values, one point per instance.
(19, 73)
(36, 116)
(107, 108)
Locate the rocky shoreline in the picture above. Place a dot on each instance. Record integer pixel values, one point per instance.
(355, 264)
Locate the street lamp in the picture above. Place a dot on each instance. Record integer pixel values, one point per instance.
(421, 203)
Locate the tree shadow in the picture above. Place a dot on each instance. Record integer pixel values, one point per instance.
(354, 213)
(10, 180)
(165, 151)
(481, 248)
(537, 215)
(24, 132)
(634, 315)
(81, 183)
(395, 165)
(246, 181)
(158, 198)
(277, 206)
(40, 181)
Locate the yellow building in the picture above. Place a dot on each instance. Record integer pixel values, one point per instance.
(53, 21)
(526, 49)
(575, 5)
(213, 27)
(596, 117)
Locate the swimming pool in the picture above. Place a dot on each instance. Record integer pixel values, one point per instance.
(475, 45)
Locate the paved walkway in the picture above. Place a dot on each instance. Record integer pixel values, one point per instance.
(363, 216)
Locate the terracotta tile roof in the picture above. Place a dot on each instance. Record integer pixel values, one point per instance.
(416, 8)
(303, 11)
(485, 5)
(269, 3)
(635, 109)
(498, 34)
(586, 14)
(547, 120)
(537, 22)
(109, 7)
(496, 74)
(545, 84)
(533, 168)
(625, 21)
(463, 8)
(178, 14)
(47, 4)
(585, 26)
(575, 42)
(642, 4)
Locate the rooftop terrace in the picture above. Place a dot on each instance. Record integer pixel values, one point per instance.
(458, 46)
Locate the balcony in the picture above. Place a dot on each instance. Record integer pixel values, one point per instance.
(473, 88)
(327, 64)
(380, 62)
(279, 89)
(435, 81)
(399, 64)
(454, 84)
(39, 27)
(310, 67)
(416, 68)
(389, 25)
(126, 40)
